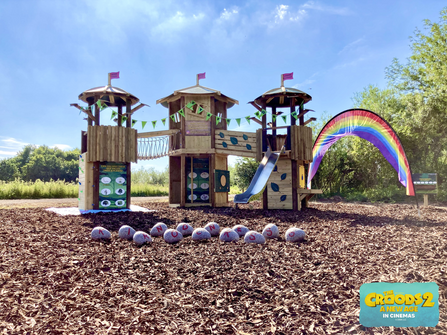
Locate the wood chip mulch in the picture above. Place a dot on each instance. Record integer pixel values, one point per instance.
(54, 279)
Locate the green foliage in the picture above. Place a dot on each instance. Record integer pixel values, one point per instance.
(244, 172)
(43, 163)
(146, 190)
(415, 105)
(150, 176)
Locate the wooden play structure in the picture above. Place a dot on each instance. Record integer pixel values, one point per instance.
(198, 145)
(106, 151)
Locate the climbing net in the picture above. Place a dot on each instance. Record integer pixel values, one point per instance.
(154, 147)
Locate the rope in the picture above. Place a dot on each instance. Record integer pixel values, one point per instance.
(154, 147)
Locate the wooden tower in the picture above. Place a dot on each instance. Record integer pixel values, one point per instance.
(198, 172)
(286, 187)
(107, 151)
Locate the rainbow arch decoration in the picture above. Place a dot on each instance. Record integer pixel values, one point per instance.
(371, 127)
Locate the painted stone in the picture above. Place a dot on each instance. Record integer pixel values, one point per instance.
(228, 235)
(213, 228)
(141, 237)
(126, 232)
(295, 235)
(159, 229)
(200, 234)
(270, 231)
(172, 236)
(185, 229)
(100, 233)
(254, 237)
(240, 229)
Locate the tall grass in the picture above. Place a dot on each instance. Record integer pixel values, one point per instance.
(20, 189)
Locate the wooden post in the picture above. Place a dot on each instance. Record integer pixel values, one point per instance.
(128, 114)
(89, 120)
(212, 165)
(183, 180)
(128, 188)
(264, 125)
(426, 200)
(274, 148)
(97, 115)
(295, 196)
(182, 122)
(120, 115)
(213, 124)
(302, 117)
(96, 185)
(192, 179)
(292, 109)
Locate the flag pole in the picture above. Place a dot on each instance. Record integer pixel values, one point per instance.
(110, 81)
(282, 80)
(197, 80)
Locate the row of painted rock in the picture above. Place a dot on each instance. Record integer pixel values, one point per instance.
(211, 229)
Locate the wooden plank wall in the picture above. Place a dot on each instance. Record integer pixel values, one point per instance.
(221, 163)
(111, 144)
(244, 147)
(85, 197)
(282, 177)
(301, 139)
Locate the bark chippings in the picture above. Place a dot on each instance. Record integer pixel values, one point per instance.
(54, 279)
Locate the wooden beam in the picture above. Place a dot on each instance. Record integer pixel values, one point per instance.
(90, 115)
(255, 105)
(136, 108)
(256, 120)
(310, 120)
(158, 133)
(128, 113)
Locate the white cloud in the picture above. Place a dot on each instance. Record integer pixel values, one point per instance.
(12, 146)
(329, 9)
(61, 146)
(352, 46)
(229, 14)
(281, 12)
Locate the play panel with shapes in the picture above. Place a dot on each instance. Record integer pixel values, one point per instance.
(112, 186)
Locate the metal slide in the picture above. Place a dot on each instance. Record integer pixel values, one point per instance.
(261, 177)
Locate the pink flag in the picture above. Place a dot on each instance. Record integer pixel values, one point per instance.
(114, 75)
(287, 76)
(201, 75)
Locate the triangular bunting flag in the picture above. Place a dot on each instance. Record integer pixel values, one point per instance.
(208, 116)
(294, 114)
(248, 119)
(274, 118)
(284, 118)
(92, 107)
(99, 104)
(238, 122)
(228, 122)
(258, 114)
(218, 118)
(200, 110)
(164, 121)
(172, 117)
(181, 112)
(302, 106)
(123, 119)
(191, 104)
(154, 123)
(263, 112)
(133, 122)
(113, 115)
(143, 123)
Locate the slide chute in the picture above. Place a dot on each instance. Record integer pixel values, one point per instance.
(371, 127)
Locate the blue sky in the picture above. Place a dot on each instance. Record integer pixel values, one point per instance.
(51, 51)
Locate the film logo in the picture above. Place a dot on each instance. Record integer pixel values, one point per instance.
(399, 304)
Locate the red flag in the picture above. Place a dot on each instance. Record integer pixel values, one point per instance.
(201, 75)
(114, 75)
(287, 76)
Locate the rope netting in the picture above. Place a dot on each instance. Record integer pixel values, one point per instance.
(154, 147)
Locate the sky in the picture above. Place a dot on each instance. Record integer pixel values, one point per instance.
(53, 50)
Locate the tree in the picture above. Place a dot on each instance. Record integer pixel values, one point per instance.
(244, 172)
(8, 170)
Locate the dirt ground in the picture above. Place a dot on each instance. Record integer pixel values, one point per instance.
(54, 279)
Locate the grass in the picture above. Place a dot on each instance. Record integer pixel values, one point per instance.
(20, 189)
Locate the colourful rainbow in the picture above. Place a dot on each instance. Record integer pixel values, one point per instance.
(371, 127)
